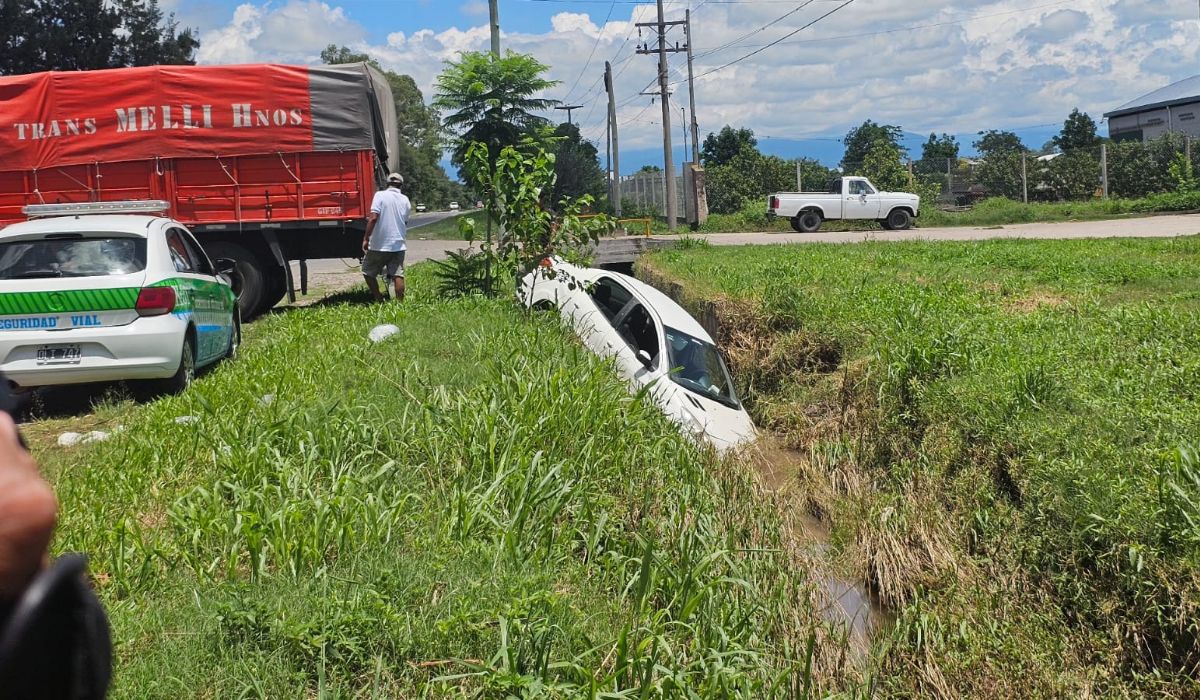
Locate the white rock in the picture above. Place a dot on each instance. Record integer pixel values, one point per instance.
(379, 334)
(267, 399)
(187, 420)
(96, 436)
(69, 439)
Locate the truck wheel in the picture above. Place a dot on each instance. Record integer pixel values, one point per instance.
(274, 289)
(248, 279)
(899, 220)
(807, 222)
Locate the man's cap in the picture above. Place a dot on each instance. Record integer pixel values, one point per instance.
(396, 178)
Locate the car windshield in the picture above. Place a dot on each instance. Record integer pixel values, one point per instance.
(74, 257)
(697, 366)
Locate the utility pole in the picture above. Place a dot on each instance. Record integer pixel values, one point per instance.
(615, 185)
(1024, 179)
(1104, 168)
(692, 90)
(494, 11)
(569, 109)
(660, 27)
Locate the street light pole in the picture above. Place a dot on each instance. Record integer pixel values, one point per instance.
(494, 20)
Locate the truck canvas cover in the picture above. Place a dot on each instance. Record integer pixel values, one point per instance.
(57, 119)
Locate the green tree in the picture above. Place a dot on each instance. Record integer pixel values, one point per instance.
(1071, 176)
(1078, 132)
(815, 176)
(995, 142)
(492, 101)
(720, 148)
(746, 179)
(936, 153)
(419, 152)
(576, 165)
(649, 169)
(882, 166)
(39, 35)
(861, 139)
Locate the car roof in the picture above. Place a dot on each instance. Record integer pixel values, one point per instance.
(670, 312)
(129, 224)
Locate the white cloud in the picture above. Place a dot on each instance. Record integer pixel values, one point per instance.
(475, 8)
(1015, 63)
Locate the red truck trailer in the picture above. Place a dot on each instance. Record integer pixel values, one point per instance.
(265, 163)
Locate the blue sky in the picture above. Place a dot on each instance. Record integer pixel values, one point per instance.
(926, 65)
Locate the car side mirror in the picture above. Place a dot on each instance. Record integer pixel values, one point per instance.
(645, 359)
(226, 266)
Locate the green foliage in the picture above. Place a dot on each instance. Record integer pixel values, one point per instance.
(1000, 173)
(993, 143)
(1184, 174)
(1078, 132)
(862, 139)
(1074, 175)
(41, 35)
(882, 167)
(747, 178)
(517, 188)
(491, 100)
(722, 147)
(576, 166)
(936, 153)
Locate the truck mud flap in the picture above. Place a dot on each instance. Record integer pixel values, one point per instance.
(277, 251)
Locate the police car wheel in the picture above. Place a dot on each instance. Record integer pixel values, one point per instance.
(183, 376)
(235, 338)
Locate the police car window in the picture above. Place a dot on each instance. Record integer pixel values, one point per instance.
(610, 297)
(84, 256)
(179, 252)
(196, 253)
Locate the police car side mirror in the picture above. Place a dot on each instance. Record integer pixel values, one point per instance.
(226, 266)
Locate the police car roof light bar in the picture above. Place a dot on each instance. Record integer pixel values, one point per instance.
(133, 206)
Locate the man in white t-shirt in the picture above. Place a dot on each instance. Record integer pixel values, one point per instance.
(384, 242)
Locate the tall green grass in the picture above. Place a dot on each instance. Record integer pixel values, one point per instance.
(475, 507)
(1030, 407)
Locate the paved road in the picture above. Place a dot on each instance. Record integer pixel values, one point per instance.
(1147, 227)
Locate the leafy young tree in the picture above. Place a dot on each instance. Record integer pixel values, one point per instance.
(649, 169)
(492, 101)
(39, 35)
(576, 165)
(723, 146)
(861, 139)
(1078, 132)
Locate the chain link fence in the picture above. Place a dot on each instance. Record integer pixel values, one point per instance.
(645, 194)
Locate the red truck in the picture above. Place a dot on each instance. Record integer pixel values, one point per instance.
(265, 163)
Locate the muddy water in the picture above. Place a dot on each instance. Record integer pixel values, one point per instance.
(847, 605)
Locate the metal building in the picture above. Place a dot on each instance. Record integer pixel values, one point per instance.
(1173, 108)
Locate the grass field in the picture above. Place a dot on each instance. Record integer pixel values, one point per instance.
(1003, 433)
(473, 508)
(990, 212)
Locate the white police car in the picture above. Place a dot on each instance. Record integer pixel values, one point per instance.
(654, 342)
(87, 295)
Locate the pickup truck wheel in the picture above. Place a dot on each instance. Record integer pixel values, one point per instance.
(248, 278)
(807, 222)
(899, 220)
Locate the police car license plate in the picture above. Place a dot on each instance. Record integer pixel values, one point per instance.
(59, 354)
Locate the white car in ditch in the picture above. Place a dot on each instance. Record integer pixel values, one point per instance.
(653, 341)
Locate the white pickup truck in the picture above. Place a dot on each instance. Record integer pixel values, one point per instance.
(847, 198)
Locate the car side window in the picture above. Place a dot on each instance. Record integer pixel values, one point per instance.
(637, 328)
(180, 256)
(197, 254)
(610, 297)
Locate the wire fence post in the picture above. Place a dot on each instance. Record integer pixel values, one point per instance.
(799, 176)
(1024, 178)
(912, 180)
(950, 179)
(1187, 144)
(1104, 168)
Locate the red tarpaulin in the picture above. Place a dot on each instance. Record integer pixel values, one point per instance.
(74, 118)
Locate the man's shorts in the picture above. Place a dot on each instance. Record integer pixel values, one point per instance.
(375, 262)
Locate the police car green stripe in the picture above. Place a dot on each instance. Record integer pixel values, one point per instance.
(67, 301)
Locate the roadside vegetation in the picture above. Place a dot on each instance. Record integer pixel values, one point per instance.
(475, 507)
(1003, 436)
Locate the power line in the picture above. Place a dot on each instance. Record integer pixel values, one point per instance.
(612, 5)
(775, 21)
(895, 30)
(773, 43)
